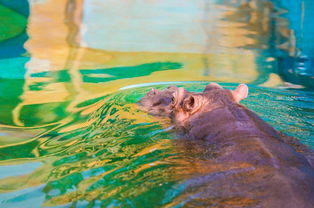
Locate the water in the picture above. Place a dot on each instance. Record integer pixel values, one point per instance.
(71, 73)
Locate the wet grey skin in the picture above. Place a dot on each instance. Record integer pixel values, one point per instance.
(158, 102)
(244, 161)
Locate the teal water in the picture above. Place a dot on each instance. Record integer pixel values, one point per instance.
(71, 134)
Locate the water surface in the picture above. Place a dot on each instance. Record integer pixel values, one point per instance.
(71, 73)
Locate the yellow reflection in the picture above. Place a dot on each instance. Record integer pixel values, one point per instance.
(163, 144)
(273, 81)
(61, 48)
(76, 126)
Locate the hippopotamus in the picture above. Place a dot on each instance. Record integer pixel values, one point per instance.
(248, 162)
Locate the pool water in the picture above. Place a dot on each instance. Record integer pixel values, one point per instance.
(71, 73)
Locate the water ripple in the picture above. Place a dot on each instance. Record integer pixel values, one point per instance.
(116, 155)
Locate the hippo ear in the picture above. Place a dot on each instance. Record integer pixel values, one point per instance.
(212, 86)
(189, 103)
(240, 92)
(192, 104)
(178, 96)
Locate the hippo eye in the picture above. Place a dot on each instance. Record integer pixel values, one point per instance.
(157, 103)
(173, 102)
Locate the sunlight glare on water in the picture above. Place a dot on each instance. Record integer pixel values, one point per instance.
(71, 134)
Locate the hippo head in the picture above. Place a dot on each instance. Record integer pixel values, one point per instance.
(185, 104)
(158, 102)
(179, 104)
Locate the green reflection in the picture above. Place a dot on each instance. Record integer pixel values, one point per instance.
(57, 76)
(10, 90)
(11, 23)
(127, 72)
(33, 114)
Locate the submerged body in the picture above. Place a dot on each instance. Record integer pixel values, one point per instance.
(244, 161)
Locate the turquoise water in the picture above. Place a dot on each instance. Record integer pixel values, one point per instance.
(71, 134)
